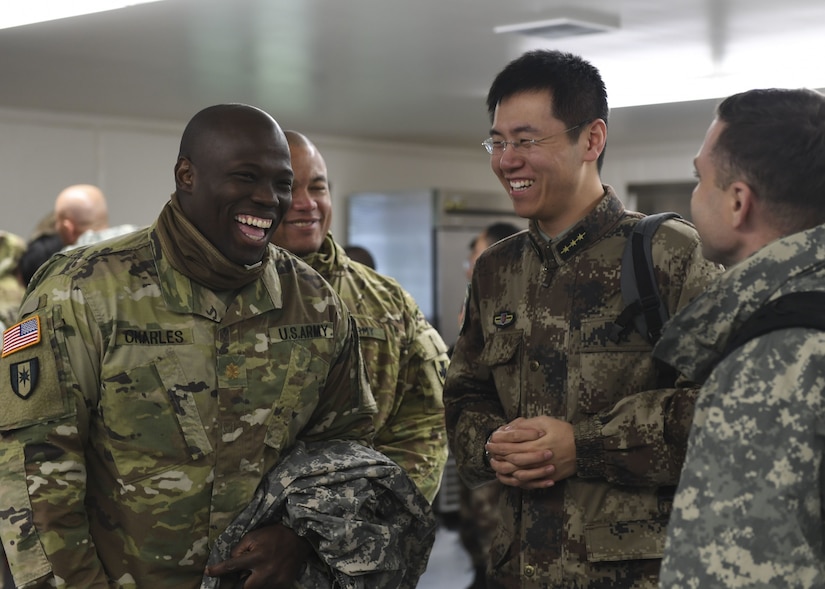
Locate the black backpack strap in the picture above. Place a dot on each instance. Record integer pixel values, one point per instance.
(643, 305)
(797, 309)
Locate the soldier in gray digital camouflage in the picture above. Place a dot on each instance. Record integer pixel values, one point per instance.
(585, 435)
(405, 357)
(749, 507)
(154, 380)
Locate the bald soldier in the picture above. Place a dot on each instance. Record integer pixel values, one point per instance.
(77, 209)
(82, 217)
(405, 357)
(153, 383)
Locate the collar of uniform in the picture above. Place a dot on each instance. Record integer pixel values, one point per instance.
(699, 333)
(183, 295)
(327, 258)
(583, 234)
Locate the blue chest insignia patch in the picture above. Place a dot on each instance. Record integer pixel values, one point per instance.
(504, 319)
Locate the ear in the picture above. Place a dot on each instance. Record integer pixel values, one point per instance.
(184, 174)
(595, 134)
(742, 204)
(66, 230)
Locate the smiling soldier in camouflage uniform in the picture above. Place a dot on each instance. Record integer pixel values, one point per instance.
(749, 509)
(585, 434)
(405, 357)
(156, 378)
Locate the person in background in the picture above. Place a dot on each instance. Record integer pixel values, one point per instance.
(749, 507)
(82, 217)
(585, 435)
(405, 357)
(478, 508)
(360, 254)
(38, 251)
(11, 288)
(491, 234)
(188, 360)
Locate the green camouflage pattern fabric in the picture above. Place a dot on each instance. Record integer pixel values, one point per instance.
(153, 407)
(11, 290)
(380, 536)
(749, 508)
(406, 362)
(535, 342)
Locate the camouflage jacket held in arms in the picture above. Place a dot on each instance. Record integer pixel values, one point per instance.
(535, 342)
(749, 508)
(147, 414)
(406, 361)
(381, 536)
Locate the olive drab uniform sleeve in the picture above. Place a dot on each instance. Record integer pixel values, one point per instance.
(151, 394)
(406, 362)
(43, 425)
(415, 436)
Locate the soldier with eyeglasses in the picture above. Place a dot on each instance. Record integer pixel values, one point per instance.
(585, 437)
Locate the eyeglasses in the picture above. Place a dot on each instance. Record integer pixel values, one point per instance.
(496, 147)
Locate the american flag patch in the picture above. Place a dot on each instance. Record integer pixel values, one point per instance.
(24, 334)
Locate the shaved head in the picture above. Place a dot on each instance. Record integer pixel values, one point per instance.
(80, 208)
(233, 178)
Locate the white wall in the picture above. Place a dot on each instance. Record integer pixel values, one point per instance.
(132, 161)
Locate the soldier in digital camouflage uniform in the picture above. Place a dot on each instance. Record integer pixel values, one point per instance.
(11, 288)
(156, 378)
(586, 435)
(405, 358)
(749, 508)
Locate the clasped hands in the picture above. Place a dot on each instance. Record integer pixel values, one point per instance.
(533, 453)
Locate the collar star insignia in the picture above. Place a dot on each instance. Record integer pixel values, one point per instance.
(574, 242)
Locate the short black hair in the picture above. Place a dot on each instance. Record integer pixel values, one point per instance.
(498, 231)
(576, 86)
(37, 253)
(361, 255)
(774, 140)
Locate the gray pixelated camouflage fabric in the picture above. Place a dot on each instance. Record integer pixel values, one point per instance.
(535, 342)
(369, 525)
(749, 507)
(406, 362)
(143, 421)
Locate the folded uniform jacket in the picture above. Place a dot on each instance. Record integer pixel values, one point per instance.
(368, 523)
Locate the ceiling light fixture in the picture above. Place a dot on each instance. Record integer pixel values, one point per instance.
(571, 22)
(26, 13)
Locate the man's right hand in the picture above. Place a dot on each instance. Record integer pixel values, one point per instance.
(273, 555)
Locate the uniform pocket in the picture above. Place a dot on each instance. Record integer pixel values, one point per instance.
(150, 419)
(629, 540)
(610, 371)
(501, 356)
(298, 398)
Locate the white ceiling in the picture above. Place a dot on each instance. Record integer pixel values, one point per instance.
(397, 70)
